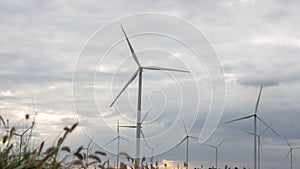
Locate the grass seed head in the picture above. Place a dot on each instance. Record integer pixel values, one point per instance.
(41, 147)
(73, 127)
(27, 116)
(5, 138)
(94, 157)
(66, 148)
(100, 152)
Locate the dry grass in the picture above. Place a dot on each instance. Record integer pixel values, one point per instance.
(14, 156)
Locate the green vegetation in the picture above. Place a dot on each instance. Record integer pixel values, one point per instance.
(20, 155)
(16, 152)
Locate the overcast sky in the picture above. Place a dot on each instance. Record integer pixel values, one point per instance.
(257, 42)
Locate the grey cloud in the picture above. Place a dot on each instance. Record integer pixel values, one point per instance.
(258, 42)
(257, 82)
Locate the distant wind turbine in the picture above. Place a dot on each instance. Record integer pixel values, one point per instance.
(142, 133)
(118, 142)
(152, 150)
(254, 126)
(259, 144)
(291, 152)
(21, 138)
(186, 138)
(87, 153)
(139, 72)
(216, 148)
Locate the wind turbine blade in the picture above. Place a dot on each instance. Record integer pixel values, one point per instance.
(288, 153)
(90, 142)
(268, 126)
(181, 141)
(210, 145)
(266, 129)
(128, 126)
(185, 128)
(118, 126)
(146, 114)
(111, 141)
(242, 118)
(257, 102)
(126, 140)
(296, 148)
(221, 143)
(288, 143)
(131, 48)
(156, 145)
(164, 69)
(17, 134)
(26, 130)
(127, 84)
(193, 137)
(248, 132)
(144, 138)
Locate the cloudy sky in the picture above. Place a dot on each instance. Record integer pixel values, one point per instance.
(44, 43)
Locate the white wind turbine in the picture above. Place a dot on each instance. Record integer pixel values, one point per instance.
(291, 152)
(87, 149)
(254, 126)
(139, 72)
(186, 138)
(118, 142)
(216, 148)
(152, 150)
(259, 144)
(21, 138)
(128, 126)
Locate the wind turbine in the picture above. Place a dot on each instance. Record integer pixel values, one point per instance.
(152, 150)
(128, 126)
(259, 144)
(139, 72)
(216, 148)
(254, 126)
(187, 145)
(291, 152)
(118, 142)
(87, 153)
(21, 138)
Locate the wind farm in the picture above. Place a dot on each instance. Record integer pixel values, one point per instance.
(257, 147)
(189, 139)
(193, 85)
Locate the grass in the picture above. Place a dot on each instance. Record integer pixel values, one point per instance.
(20, 155)
(16, 152)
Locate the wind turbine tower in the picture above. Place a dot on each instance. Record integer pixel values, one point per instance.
(216, 148)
